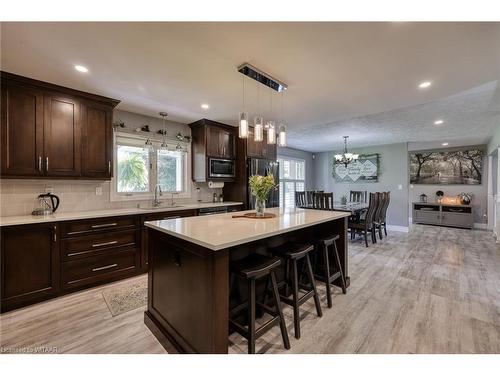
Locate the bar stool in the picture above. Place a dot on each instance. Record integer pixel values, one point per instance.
(291, 254)
(328, 277)
(252, 268)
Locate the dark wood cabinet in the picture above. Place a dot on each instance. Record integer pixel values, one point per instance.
(29, 264)
(220, 142)
(21, 131)
(61, 136)
(261, 149)
(211, 140)
(50, 131)
(97, 140)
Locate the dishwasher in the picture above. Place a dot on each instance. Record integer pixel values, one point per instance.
(212, 211)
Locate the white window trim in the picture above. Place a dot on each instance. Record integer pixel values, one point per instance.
(294, 180)
(166, 196)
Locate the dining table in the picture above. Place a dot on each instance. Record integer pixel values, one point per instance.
(355, 208)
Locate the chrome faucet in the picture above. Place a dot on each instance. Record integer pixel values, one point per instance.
(157, 195)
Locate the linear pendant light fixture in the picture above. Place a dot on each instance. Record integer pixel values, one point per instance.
(270, 125)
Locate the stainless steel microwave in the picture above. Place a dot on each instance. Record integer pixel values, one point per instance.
(218, 168)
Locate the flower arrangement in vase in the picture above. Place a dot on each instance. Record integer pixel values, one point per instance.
(261, 186)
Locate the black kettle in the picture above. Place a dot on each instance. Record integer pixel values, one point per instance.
(51, 200)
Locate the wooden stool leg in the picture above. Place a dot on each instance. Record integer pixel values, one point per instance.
(277, 303)
(327, 276)
(337, 260)
(295, 293)
(251, 316)
(366, 237)
(385, 229)
(313, 283)
(287, 276)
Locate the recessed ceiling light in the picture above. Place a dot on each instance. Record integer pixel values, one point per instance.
(81, 68)
(445, 144)
(438, 122)
(425, 84)
(205, 106)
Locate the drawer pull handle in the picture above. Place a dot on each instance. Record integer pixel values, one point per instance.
(104, 243)
(104, 268)
(171, 217)
(455, 210)
(104, 225)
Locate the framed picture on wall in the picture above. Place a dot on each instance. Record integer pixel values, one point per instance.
(463, 167)
(365, 169)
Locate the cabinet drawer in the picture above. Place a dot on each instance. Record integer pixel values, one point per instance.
(428, 217)
(75, 228)
(168, 215)
(91, 270)
(95, 244)
(465, 210)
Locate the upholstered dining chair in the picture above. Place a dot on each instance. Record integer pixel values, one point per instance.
(300, 199)
(366, 225)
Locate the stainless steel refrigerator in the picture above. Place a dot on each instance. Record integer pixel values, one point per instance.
(263, 167)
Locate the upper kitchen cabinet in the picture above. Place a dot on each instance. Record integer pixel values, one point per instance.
(220, 142)
(62, 152)
(260, 149)
(21, 131)
(50, 131)
(97, 140)
(213, 140)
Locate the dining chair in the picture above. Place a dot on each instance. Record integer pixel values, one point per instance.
(300, 199)
(357, 196)
(381, 197)
(323, 201)
(367, 224)
(383, 214)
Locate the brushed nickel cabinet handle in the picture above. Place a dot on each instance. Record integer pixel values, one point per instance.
(47, 163)
(171, 217)
(40, 163)
(104, 243)
(109, 166)
(55, 233)
(104, 225)
(104, 268)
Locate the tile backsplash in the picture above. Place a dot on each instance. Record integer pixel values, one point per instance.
(18, 197)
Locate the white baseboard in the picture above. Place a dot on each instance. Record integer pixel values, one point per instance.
(398, 228)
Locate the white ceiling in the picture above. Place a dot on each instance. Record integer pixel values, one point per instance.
(357, 79)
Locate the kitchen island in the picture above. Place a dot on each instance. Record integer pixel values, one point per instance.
(188, 279)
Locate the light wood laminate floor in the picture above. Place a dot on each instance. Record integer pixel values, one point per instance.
(435, 290)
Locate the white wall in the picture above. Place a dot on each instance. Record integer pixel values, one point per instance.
(393, 174)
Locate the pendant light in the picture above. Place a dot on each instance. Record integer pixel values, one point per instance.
(271, 132)
(243, 118)
(148, 145)
(164, 146)
(271, 125)
(282, 127)
(258, 130)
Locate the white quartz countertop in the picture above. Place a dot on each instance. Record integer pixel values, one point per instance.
(64, 216)
(222, 231)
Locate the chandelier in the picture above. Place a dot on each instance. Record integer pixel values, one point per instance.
(347, 157)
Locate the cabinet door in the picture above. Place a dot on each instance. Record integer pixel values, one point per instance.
(22, 131)
(213, 142)
(226, 144)
(62, 136)
(97, 141)
(254, 149)
(30, 264)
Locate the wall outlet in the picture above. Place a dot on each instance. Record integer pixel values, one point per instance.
(400, 187)
(98, 190)
(49, 189)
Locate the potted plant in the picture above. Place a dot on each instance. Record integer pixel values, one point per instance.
(261, 186)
